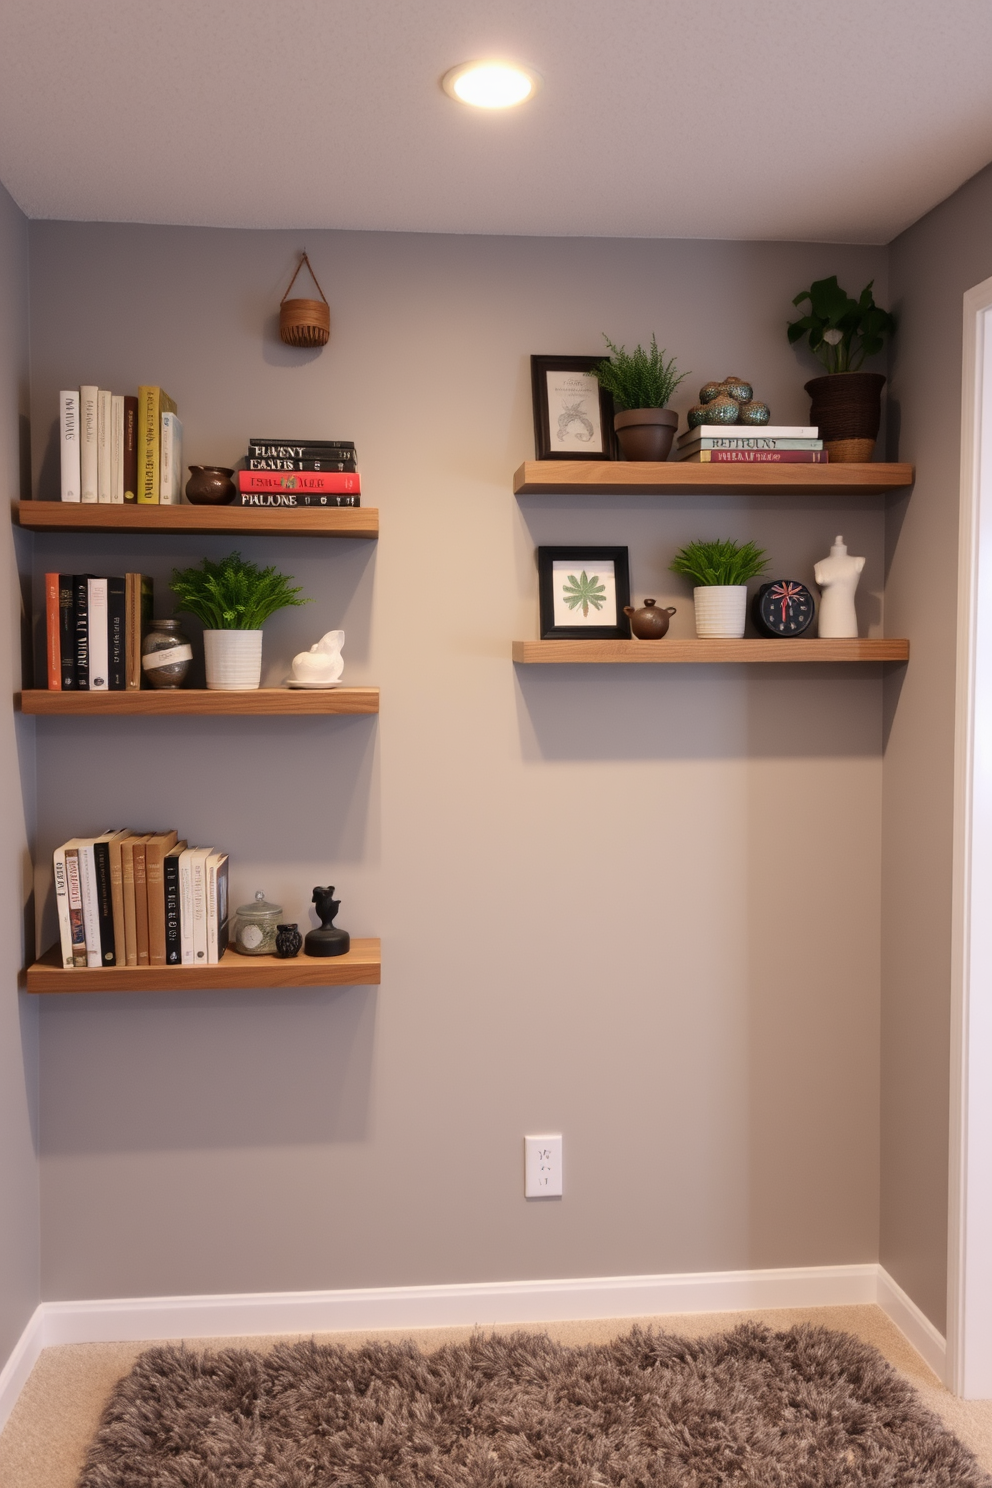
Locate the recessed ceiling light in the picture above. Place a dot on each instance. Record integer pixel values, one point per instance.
(491, 85)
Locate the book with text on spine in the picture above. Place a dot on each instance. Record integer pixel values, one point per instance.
(53, 632)
(104, 445)
(293, 498)
(310, 462)
(97, 635)
(117, 449)
(69, 429)
(129, 466)
(170, 885)
(732, 442)
(749, 431)
(171, 474)
(74, 895)
(67, 632)
(89, 397)
(152, 403)
(302, 482)
(296, 449)
(758, 457)
(155, 850)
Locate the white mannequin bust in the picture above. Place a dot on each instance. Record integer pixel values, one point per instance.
(837, 577)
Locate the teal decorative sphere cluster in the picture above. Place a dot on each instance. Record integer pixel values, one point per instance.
(731, 401)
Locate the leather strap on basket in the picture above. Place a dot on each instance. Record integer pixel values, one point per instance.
(313, 276)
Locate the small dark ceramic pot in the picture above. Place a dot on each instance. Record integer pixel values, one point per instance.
(645, 433)
(288, 941)
(649, 624)
(210, 485)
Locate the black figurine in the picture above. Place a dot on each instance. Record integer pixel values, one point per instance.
(328, 940)
(288, 941)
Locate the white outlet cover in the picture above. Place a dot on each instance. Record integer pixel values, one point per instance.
(542, 1167)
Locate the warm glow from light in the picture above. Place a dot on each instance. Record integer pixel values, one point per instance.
(491, 85)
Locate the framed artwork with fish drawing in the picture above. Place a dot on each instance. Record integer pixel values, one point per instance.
(573, 415)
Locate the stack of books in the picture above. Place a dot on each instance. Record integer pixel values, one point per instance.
(140, 899)
(93, 631)
(117, 448)
(744, 444)
(300, 472)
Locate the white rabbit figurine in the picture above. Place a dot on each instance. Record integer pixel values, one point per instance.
(323, 664)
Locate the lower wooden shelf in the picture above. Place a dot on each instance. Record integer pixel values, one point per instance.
(274, 701)
(360, 967)
(530, 653)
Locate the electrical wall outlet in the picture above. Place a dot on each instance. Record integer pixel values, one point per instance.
(542, 1167)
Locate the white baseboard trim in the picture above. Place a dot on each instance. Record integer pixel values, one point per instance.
(14, 1374)
(141, 1319)
(928, 1342)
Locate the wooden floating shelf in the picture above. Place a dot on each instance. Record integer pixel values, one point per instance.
(640, 653)
(682, 478)
(360, 967)
(319, 521)
(268, 701)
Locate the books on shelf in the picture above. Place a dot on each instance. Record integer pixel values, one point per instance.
(301, 482)
(299, 473)
(748, 432)
(94, 627)
(757, 457)
(119, 900)
(288, 454)
(100, 437)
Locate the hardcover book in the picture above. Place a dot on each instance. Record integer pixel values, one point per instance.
(750, 431)
(53, 633)
(104, 901)
(759, 457)
(303, 482)
(130, 462)
(67, 632)
(115, 853)
(75, 897)
(88, 894)
(117, 449)
(138, 597)
(198, 867)
(117, 633)
(96, 634)
(104, 445)
(732, 442)
(173, 933)
(152, 403)
(308, 463)
(293, 498)
(171, 487)
(217, 870)
(298, 449)
(62, 905)
(186, 904)
(130, 906)
(69, 430)
(80, 606)
(140, 897)
(155, 850)
(88, 444)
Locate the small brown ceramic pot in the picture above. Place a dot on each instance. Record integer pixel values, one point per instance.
(646, 433)
(649, 624)
(210, 485)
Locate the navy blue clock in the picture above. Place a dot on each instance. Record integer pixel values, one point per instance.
(782, 608)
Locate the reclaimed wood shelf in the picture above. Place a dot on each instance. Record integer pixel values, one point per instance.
(319, 521)
(183, 701)
(639, 653)
(681, 478)
(359, 967)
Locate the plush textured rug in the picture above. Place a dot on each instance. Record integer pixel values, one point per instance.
(808, 1408)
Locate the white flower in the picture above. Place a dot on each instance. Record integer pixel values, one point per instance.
(833, 336)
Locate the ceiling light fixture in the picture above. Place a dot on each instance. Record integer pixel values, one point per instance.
(491, 85)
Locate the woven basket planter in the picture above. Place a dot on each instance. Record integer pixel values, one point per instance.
(304, 322)
(847, 408)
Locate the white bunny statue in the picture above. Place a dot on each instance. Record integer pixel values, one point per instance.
(322, 665)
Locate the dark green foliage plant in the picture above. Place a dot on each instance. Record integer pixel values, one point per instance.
(717, 562)
(842, 332)
(232, 594)
(638, 378)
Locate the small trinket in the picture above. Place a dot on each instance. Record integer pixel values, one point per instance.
(328, 940)
(166, 654)
(288, 941)
(255, 927)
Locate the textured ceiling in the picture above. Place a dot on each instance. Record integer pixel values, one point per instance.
(784, 119)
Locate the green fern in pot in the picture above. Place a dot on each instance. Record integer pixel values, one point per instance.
(641, 383)
(720, 570)
(233, 599)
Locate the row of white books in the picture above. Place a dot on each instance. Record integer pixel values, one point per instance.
(140, 899)
(117, 448)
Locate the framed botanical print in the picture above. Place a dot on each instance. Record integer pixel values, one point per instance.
(583, 592)
(573, 415)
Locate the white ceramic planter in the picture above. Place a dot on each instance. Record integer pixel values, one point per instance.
(233, 659)
(721, 610)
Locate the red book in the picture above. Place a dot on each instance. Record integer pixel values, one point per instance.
(53, 639)
(760, 457)
(324, 482)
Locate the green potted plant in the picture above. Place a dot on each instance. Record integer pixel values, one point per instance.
(842, 333)
(720, 571)
(233, 599)
(641, 383)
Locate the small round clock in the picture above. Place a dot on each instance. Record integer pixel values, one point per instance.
(782, 608)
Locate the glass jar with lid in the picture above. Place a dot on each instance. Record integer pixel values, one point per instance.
(255, 927)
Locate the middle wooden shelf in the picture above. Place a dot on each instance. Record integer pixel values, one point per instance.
(752, 649)
(359, 967)
(186, 701)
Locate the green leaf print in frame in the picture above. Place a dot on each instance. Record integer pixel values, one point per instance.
(583, 592)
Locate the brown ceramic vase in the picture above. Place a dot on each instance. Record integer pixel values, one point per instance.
(645, 433)
(846, 407)
(210, 485)
(649, 624)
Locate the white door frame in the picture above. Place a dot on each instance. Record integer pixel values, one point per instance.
(969, 1279)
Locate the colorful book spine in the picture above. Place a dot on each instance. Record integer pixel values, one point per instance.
(88, 893)
(67, 632)
(62, 905)
(761, 457)
(292, 499)
(171, 487)
(130, 456)
(96, 635)
(89, 444)
(104, 445)
(117, 449)
(152, 403)
(75, 896)
(53, 632)
(310, 463)
(69, 430)
(303, 482)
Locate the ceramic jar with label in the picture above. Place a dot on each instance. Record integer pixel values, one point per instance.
(166, 654)
(256, 926)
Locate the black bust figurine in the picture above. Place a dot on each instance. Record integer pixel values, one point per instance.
(328, 940)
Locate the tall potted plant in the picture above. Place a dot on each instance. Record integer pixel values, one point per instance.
(842, 333)
(641, 383)
(720, 571)
(233, 599)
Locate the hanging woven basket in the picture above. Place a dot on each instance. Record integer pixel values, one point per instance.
(304, 322)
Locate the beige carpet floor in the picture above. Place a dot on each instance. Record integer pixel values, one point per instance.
(45, 1440)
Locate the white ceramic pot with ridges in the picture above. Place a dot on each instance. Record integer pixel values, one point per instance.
(721, 610)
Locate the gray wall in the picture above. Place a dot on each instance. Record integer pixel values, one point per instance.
(932, 265)
(18, 1016)
(640, 909)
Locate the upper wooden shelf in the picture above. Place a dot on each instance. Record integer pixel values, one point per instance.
(321, 521)
(649, 653)
(359, 967)
(274, 701)
(673, 478)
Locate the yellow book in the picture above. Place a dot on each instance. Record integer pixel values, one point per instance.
(152, 403)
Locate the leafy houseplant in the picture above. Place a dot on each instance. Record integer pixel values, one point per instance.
(641, 383)
(842, 333)
(233, 598)
(719, 571)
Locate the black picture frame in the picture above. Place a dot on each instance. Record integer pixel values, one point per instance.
(546, 428)
(551, 562)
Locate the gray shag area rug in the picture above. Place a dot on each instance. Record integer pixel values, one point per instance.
(807, 1408)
